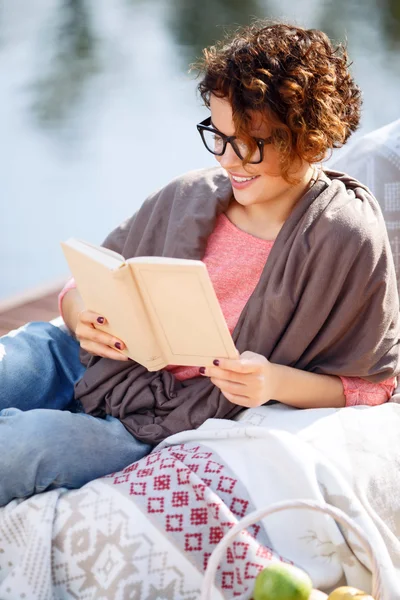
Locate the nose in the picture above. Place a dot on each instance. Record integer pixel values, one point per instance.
(229, 159)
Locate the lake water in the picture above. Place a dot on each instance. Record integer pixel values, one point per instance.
(97, 108)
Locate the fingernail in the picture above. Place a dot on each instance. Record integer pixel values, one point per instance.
(100, 319)
(118, 345)
(216, 362)
(202, 370)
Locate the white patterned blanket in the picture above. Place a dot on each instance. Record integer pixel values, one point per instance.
(147, 532)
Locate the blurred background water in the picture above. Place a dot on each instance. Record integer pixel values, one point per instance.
(97, 108)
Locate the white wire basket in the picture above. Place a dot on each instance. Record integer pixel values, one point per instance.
(338, 515)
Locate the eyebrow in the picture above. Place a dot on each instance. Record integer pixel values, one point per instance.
(219, 131)
(216, 129)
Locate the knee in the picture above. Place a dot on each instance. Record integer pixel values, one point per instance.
(25, 436)
(28, 445)
(39, 365)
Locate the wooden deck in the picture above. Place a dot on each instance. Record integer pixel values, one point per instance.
(40, 308)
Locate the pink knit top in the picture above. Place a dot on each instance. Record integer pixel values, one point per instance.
(235, 260)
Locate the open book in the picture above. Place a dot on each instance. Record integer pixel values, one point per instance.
(165, 310)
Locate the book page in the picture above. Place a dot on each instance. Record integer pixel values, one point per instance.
(164, 260)
(113, 293)
(108, 257)
(184, 308)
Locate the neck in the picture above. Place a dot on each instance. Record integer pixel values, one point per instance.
(265, 219)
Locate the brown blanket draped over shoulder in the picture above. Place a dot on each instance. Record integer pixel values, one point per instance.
(326, 301)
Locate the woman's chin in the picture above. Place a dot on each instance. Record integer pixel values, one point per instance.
(245, 197)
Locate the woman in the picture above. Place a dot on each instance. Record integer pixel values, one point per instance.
(299, 258)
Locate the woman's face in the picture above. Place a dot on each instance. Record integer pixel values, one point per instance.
(266, 183)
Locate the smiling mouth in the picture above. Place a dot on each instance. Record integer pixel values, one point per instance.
(243, 179)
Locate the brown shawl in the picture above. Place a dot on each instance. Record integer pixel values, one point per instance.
(326, 301)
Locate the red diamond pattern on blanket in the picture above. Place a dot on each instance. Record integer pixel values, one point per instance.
(229, 557)
(239, 507)
(193, 542)
(216, 534)
(213, 467)
(198, 516)
(138, 488)
(226, 484)
(129, 469)
(155, 505)
(180, 499)
(251, 570)
(228, 579)
(240, 550)
(264, 552)
(162, 482)
(174, 523)
(192, 495)
(144, 472)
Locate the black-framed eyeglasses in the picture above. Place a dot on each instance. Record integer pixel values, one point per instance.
(216, 142)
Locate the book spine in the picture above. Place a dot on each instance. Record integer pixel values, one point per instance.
(150, 356)
(152, 317)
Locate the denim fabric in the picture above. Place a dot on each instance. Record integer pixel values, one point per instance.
(42, 448)
(39, 365)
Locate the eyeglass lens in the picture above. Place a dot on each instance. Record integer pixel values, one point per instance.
(215, 144)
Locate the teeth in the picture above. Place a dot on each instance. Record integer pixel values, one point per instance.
(241, 179)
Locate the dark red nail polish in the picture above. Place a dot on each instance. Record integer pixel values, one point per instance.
(202, 370)
(118, 345)
(216, 362)
(100, 319)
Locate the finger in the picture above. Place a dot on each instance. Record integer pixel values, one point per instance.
(237, 399)
(91, 318)
(230, 387)
(85, 332)
(225, 375)
(238, 365)
(103, 351)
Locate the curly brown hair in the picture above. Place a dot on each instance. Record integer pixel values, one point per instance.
(295, 77)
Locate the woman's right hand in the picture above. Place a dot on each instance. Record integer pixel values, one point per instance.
(94, 340)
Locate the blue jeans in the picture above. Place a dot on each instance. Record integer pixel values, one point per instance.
(42, 448)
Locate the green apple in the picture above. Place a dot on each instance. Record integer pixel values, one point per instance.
(280, 581)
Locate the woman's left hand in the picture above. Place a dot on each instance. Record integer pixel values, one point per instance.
(247, 381)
